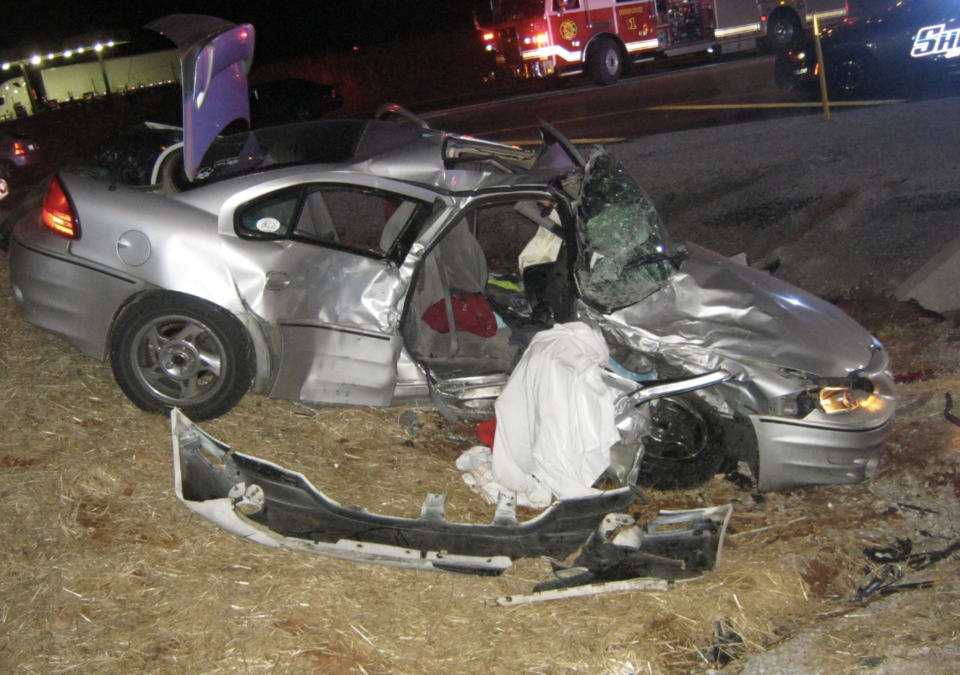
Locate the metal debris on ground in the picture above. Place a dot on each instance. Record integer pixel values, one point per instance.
(727, 646)
(583, 591)
(676, 545)
(894, 558)
(947, 415)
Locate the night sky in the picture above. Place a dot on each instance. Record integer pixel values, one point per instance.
(285, 28)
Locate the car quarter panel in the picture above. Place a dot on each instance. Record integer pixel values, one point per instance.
(156, 239)
(73, 300)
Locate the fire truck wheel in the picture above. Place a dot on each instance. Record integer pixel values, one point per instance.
(605, 62)
(784, 29)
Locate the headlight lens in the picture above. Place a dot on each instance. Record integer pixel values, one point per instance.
(832, 399)
(837, 400)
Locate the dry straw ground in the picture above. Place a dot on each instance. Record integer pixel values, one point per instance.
(102, 571)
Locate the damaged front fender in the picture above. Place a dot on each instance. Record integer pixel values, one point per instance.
(269, 505)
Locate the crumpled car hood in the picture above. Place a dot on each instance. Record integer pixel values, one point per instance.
(716, 304)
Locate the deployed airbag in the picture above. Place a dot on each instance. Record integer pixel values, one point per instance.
(555, 417)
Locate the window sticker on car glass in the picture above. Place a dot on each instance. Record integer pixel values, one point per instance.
(268, 225)
(934, 40)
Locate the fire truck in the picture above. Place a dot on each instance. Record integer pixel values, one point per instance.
(537, 38)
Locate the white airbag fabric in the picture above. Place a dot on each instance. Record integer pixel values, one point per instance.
(555, 417)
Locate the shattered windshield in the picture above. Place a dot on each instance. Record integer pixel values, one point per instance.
(627, 254)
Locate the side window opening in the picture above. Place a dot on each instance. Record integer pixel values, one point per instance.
(368, 221)
(505, 277)
(271, 217)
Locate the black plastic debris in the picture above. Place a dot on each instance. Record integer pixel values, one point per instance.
(890, 554)
(894, 558)
(727, 646)
(947, 415)
(877, 589)
(902, 552)
(682, 553)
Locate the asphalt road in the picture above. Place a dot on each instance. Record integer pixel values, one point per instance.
(702, 95)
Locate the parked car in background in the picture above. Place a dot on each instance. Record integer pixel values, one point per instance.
(17, 152)
(893, 44)
(131, 155)
(292, 100)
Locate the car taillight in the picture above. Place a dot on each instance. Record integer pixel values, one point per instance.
(18, 148)
(58, 213)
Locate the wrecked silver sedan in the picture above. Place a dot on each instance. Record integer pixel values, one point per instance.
(368, 261)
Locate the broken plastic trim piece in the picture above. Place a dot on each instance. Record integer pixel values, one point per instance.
(660, 585)
(676, 545)
(269, 505)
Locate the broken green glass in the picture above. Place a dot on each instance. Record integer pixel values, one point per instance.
(628, 256)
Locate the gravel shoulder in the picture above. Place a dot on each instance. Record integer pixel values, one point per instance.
(848, 207)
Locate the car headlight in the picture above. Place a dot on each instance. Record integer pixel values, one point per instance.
(833, 398)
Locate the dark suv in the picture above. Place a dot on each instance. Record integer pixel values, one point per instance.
(900, 42)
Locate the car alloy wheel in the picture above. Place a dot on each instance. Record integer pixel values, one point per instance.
(173, 350)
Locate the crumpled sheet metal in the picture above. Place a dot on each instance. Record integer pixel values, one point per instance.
(621, 229)
(275, 507)
(713, 308)
(327, 286)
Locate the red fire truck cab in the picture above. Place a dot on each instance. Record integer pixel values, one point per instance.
(535, 38)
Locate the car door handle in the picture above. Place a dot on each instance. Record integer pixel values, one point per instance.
(277, 281)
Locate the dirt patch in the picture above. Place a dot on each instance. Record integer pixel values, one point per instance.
(103, 571)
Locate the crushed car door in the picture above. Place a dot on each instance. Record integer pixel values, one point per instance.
(319, 263)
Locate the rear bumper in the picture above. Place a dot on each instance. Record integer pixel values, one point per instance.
(71, 299)
(793, 73)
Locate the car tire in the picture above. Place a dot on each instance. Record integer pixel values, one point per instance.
(784, 29)
(6, 169)
(605, 63)
(174, 350)
(685, 447)
(850, 75)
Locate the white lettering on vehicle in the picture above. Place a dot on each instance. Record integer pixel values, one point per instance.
(934, 40)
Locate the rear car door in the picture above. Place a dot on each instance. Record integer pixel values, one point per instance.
(318, 262)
